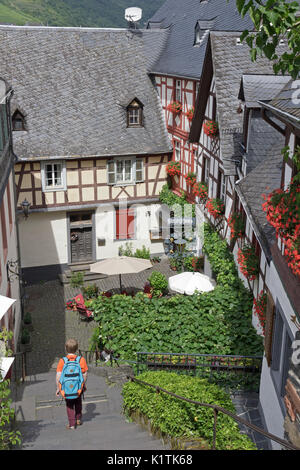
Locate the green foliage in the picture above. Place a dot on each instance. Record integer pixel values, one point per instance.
(77, 279)
(176, 203)
(25, 336)
(95, 13)
(158, 282)
(90, 291)
(273, 20)
(8, 436)
(178, 418)
(127, 250)
(142, 253)
(27, 318)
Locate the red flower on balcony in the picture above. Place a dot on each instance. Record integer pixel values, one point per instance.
(260, 307)
(282, 212)
(175, 107)
(237, 225)
(190, 113)
(210, 128)
(248, 262)
(190, 178)
(215, 207)
(200, 190)
(173, 168)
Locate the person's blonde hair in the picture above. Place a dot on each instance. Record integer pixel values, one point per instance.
(71, 345)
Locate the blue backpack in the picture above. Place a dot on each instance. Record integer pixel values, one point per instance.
(71, 380)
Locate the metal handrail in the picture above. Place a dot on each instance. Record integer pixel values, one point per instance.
(217, 409)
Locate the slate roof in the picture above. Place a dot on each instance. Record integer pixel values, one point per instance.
(263, 140)
(287, 102)
(230, 61)
(260, 87)
(180, 57)
(262, 180)
(70, 84)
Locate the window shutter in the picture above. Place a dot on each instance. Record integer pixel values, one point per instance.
(125, 224)
(270, 315)
(139, 170)
(111, 174)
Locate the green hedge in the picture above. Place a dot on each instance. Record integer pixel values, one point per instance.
(177, 418)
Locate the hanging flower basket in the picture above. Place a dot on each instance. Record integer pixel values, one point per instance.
(260, 307)
(237, 225)
(210, 128)
(175, 107)
(248, 262)
(173, 168)
(215, 207)
(282, 213)
(200, 190)
(190, 113)
(190, 178)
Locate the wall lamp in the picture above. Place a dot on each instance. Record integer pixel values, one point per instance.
(25, 207)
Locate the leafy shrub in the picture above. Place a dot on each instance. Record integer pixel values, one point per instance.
(127, 250)
(166, 196)
(158, 282)
(90, 291)
(77, 279)
(142, 253)
(177, 418)
(27, 318)
(25, 336)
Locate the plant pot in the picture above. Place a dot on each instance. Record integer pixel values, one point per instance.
(28, 326)
(26, 347)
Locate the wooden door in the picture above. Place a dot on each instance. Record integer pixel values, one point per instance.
(81, 237)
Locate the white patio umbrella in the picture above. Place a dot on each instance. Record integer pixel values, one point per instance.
(120, 265)
(190, 282)
(5, 304)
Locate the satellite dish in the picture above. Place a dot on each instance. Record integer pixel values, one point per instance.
(133, 14)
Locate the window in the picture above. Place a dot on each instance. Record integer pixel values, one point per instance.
(3, 229)
(135, 114)
(205, 170)
(178, 90)
(125, 170)
(176, 150)
(53, 176)
(197, 34)
(125, 224)
(221, 192)
(18, 121)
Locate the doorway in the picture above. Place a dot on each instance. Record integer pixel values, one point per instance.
(81, 235)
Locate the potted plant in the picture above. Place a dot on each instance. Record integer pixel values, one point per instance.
(175, 107)
(260, 307)
(190, 178)
(215, 207)
(248, 262)
(237, 225)
(25, 341)
(200, 190)
(27, 321)
(173, 168)
(90, 291)
(173, 264)
(158, 283)
(210, 128)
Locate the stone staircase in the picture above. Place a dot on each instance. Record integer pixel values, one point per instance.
(65, 277)
(41, 416)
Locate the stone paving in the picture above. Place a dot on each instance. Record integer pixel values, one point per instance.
(52, 326)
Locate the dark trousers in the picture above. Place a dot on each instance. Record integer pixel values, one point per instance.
(74, 410)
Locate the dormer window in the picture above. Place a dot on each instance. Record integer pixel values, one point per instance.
(135, 114)
(18, 121)
(197, 34)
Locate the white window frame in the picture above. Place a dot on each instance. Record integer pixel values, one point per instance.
(134, 170)
(178, 94)
(177, 150)
(62, 186)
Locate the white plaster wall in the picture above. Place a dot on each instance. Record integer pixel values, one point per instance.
(105, 229)
(43, 239)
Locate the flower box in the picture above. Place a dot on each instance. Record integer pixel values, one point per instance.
(215, 207)
(260, 307)
(190, 113)
(237, 225)
(173, 168)
(200, 190)
(175, 107)
(210, 128)
(190, 178)
(248, 262)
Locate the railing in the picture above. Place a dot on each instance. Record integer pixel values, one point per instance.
(231, 371)
(218, 409)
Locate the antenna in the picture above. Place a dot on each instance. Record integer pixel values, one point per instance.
(133, 14)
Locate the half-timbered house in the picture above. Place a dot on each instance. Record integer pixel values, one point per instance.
(9, 248)
(181, 68)
(90, 142)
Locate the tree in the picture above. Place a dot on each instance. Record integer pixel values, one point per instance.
(273, 21)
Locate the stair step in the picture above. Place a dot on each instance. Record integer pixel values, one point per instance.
(65, 278)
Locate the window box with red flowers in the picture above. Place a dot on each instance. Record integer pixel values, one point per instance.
(175, 107)
(210, 128)
(190, 113)
(200, 190)
(237, 225)
(190, 178)
(215, 207)
(260, 307)
(248, 262)
(173, 168)
(282, 212)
